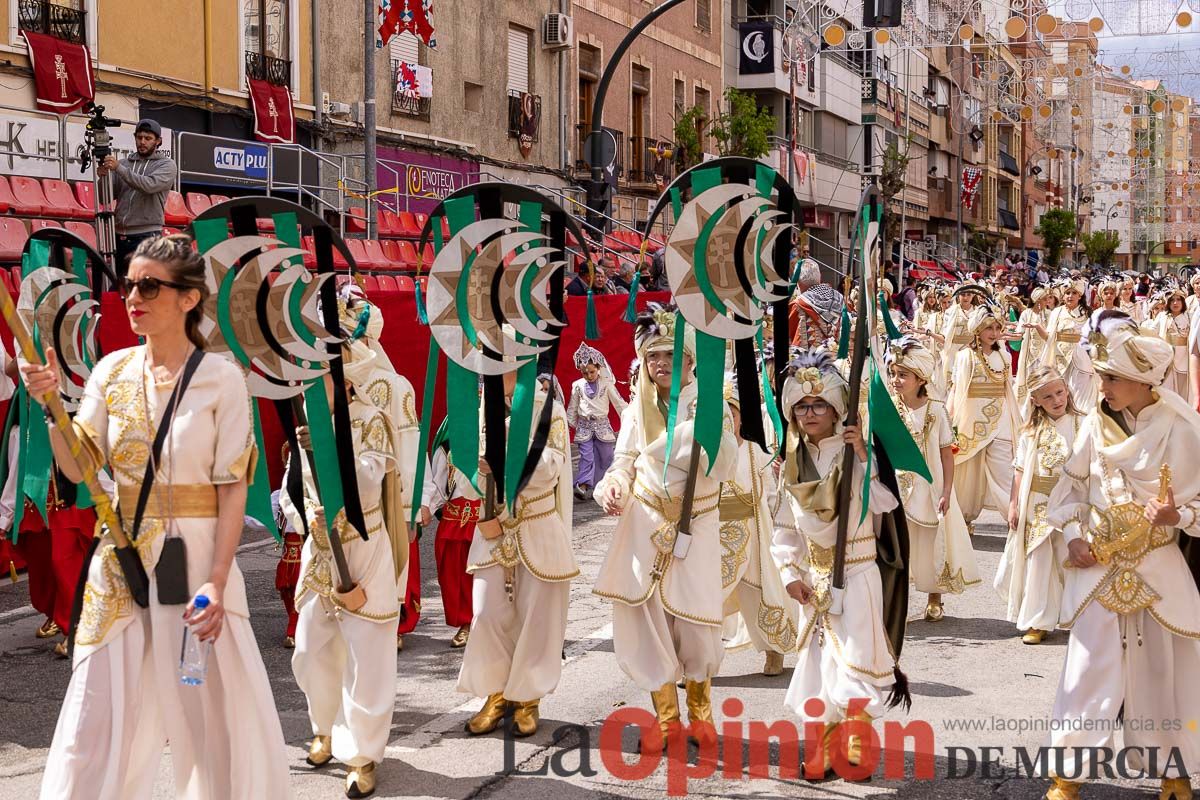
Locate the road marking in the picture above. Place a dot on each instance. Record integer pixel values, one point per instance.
(437, 727)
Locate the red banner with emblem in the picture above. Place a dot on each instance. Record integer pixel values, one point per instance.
(970, 186)
(62, 73)
(273, 119)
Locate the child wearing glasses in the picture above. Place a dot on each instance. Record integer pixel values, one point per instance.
(983, 411)
(845, 667)
(941, 560)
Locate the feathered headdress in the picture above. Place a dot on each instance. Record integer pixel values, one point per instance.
(908, 353)
(654, 329)
(814, 373)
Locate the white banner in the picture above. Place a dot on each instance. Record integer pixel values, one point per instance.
(23, 136)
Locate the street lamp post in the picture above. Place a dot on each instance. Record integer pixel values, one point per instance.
(598, 199)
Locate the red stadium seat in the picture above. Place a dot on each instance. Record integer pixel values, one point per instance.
(424, 283)
(427, 255)
(12, 239)
(356, 220)
(404, 283)
(61, 202)
(421, 219)
(198, 203)
(389, 224)
(408, 255)
(408, 225)
(85, 193)
(310, 252)
(30, 200)
(15, 275)
(445, 228)
(357, 252)
(387, 284)
(370, 284)
(7, 201)
(217, 198)
(391, 251)
(176, 213)
(373, 255)
(83, 230)
(36, 225)
(266, 225)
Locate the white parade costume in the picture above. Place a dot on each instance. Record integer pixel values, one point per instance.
(1069, 359)
(981, 406)
(1030, 577)
(957, 336)
(125, 700)
(1174, 331)
(1135, 620)
(1033, 346)
(515, 649)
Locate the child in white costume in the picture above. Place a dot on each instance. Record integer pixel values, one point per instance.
(1172, 326)
(941, 560)
(983, 411)
(587, 412)
(845, 656)
(1062, 347)
(1130, 490)
(1030, 577)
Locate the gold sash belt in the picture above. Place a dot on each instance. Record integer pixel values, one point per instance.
(1068, 336)
(1177, 339)
(986, 390)
(181, 501)
(961, 338)
(1043, 484)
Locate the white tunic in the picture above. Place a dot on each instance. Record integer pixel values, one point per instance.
(589, 415)
(1072, 361)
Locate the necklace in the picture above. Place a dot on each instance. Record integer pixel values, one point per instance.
(921, 437)
(989, 373)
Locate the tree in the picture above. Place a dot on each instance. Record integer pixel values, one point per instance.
(743, 129)
(688, 127)
(1057, 227)
(891, 184)
(1100, 246)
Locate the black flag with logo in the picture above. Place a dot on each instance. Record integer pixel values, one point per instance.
(757, 48)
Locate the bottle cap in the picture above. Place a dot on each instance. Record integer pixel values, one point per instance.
(200, 602)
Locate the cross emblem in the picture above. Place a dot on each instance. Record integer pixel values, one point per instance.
(273, 112)
(60, 74)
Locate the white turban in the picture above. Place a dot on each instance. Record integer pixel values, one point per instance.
(358, 362)
(982, 316)
(1116, 346)
(908, 353)
(814, 374)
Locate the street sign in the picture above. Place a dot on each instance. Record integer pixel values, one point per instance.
(608, 149)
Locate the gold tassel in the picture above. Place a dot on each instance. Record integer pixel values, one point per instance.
(12, 570)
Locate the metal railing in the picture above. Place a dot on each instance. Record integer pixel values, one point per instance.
(515, 113)
(407, 100)
(268, 68)
(61, 22)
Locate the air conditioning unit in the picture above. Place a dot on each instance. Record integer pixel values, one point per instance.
(336, 109)
(556, 31)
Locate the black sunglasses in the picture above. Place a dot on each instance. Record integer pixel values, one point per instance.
(147, 287)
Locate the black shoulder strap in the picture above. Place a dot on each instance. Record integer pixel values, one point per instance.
(160, 437)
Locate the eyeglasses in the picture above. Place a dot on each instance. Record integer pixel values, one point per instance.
(147, 287)
(816, 409)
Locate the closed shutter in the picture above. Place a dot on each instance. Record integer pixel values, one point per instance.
(405, 47)
(520, 41)
(704, 15)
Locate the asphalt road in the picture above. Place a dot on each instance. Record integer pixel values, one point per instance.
(969, 669)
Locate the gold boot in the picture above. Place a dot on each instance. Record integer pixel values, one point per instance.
(1176, 789)
(827, 742)
(320, 751)
(773, 665)
(488, 718)
(460, 638)
(1063, 790)
(525, 718)
(699, 705)
(666, 708)
(360, 781)
(1033, 636)
(854, 741)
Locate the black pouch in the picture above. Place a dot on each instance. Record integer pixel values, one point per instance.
(170, 573)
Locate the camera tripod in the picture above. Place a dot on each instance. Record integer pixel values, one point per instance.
(106, 226)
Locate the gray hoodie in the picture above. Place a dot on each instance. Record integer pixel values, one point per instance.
(141, 186)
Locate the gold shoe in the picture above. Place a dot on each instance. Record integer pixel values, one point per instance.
(360, 781)
(935, 612)
(1033, 636)
(48, 630)
(773, 665)
(854, 741)
(320, 751)
(666, 708)
(460, 638)
(289, 642)
(60, 649)
(699, 705)
(1176, 789)
(1063, 790)
(525, 718)
(826, 754)
(489, 717)
(399, 643)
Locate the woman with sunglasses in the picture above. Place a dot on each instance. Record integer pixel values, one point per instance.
(126, 700)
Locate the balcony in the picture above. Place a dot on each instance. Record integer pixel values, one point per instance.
(1008, 219)
(408, 101)
(1009, 164)
(524, 124)
(40, 16)
(581, 134)
(268, 68)
(650, 160)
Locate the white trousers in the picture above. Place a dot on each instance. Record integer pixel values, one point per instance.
(1155, 681)
(819, 675)
(346, 667)
(1032, 583)
(654, 647)
(516, 646)
(125, 702)
(985, 479)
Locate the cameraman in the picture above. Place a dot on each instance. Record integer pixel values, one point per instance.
(140, 186)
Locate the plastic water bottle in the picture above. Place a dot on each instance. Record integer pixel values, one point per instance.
(193, 659)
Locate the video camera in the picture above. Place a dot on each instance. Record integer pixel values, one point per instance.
(97, 140)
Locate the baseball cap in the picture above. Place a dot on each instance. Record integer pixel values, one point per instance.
(149, 125)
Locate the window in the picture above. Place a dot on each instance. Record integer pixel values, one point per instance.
(406, 47)
(704, 15)
(472, 96)
(680, 97)
(265, 29)
(640, 121)
(62, 19)
(520, 46)
(702, 100)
